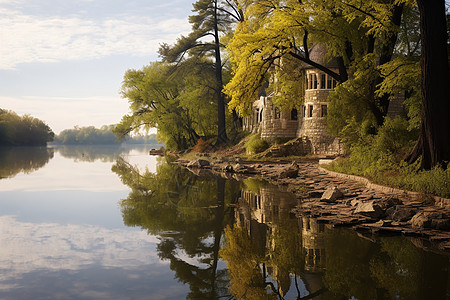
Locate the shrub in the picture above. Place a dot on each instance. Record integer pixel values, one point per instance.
(379, 158)
(256, 145)
(202, 145)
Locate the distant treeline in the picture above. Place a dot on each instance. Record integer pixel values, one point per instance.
(98, 136)
(24, 130)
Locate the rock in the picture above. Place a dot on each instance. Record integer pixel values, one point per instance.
(239, 168)
(198, 163)
(441, 224)
(388, 202)
(369, 209)
(159, 151)
(433, 219)
(383, 223)
(420, 220)
(314, 194)
(331, 194)
(228, 168)
(289, 172)
(400, 213)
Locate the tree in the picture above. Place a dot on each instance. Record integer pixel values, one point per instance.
(88, 135)
(177, 104)
(24, 130)
(434, 139)
(278, 31)
(212, 18)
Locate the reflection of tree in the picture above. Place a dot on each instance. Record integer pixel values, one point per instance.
(406, 272)
(26, 160)
(269, 254)
(104, 153)
(244, 260)
(347, 267)
(189, 214)
(263, 250)
(392, 268)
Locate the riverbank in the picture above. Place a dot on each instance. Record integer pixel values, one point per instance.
(340, 199)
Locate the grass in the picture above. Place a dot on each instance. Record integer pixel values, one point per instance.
(398, 175)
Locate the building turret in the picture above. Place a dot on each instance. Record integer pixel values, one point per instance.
(313, 125)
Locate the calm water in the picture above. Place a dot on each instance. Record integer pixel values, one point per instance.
(115, 223)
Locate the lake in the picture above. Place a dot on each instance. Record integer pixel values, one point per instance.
(116, 223)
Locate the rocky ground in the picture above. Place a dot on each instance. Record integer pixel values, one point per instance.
(342, 200)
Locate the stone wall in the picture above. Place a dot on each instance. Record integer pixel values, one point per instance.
(281, 127)
(313, 125)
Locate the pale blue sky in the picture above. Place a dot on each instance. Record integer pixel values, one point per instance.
(63, 61)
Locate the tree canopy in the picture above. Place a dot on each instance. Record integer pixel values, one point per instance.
(90, 135)
(24, 130)
(179, 106)
(212, 20)
(377, 46)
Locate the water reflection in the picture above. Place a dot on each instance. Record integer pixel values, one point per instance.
(188, 213)
(23, 160)
(15, 160)
(239, 238)
(104, 153)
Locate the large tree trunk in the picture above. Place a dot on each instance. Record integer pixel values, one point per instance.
(387, 50)
(433, 144)
(221, 128)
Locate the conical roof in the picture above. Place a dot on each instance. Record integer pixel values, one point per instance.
(318, 54)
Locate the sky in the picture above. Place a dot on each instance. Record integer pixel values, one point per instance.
(63, 61)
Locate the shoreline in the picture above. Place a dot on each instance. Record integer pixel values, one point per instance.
(358, 204)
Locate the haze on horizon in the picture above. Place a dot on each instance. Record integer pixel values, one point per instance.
(63, 62)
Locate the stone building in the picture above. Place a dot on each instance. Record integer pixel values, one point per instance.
(313, 125)
(307, 122)
(271, 122)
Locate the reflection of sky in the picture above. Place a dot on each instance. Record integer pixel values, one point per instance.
(63, 174)
(62, 236)
(81, 261)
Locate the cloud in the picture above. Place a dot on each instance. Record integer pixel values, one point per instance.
(34, 38)
(51, 246)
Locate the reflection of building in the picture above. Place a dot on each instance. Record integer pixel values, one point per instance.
(313, 241)
(266, 206)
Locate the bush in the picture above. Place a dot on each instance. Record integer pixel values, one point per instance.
(379, 158)
(202, 145)
(256, 145)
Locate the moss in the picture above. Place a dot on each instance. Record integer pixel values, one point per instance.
(256, 145)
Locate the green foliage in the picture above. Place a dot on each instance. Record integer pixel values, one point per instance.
(380, 156)
(87, 136)
(275, 32)
(402, 76)
(179, 104)
(350, 116)
(24, 130)
(256, 145)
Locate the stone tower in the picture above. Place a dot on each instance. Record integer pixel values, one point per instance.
(313, 123)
